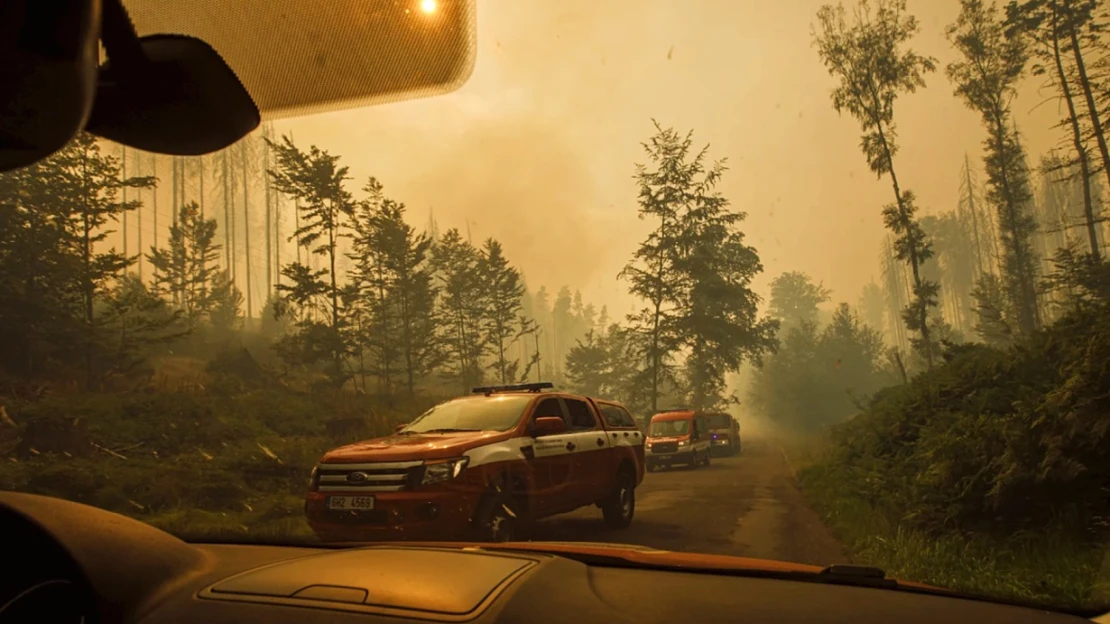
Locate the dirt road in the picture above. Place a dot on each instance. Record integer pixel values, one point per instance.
(746, 505)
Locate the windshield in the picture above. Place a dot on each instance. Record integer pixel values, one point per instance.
(873, 232)
(494, 414)
(719, 421)
(667, 428)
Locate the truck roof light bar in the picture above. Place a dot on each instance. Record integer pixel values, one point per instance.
(528, 387)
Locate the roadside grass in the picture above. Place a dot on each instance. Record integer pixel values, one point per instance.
(209, 465)
(279, 519)
(1044, 568)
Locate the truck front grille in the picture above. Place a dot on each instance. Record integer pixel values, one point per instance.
(376, 477)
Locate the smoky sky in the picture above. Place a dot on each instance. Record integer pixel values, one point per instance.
(538, 148)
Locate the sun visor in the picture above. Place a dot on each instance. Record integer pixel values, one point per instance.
(295, 57)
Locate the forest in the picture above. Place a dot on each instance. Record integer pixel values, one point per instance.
(954, 419)
(193, 380)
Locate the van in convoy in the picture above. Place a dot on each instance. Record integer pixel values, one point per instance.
(724, 433)
(481, 466)
(679, 436)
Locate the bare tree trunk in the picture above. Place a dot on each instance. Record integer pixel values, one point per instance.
(269, 217)
(974, 214)
(1077, 138)
(297, 225)
(246, 224)
(176, 182)
(277, 246)
(1092, 108)
(231, 226)
(154, 171)
(539, 371)
(123, 176)
(87, 283)
(200, 180)
(139, 216)
(227, 215)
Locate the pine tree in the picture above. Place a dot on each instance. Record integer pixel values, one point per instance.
(986, 78)
(502, 290)
(316, 180)
(455, 265)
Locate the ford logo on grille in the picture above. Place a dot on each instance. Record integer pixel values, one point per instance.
(358, 477)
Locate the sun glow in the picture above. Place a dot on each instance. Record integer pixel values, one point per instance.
(428, 6)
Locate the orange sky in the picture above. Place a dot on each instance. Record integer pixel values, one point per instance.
(537, 148)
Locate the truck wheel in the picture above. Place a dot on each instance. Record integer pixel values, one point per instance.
(619, 507)
(497, 519)
(708, 455)
(650, 467)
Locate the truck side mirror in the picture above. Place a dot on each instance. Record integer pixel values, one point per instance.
(548, 425)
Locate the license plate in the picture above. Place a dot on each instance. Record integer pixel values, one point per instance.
(663, 456)
(350, 502)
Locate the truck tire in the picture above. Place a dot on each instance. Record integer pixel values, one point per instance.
(708, 455)
(620, 506)
(497, 518)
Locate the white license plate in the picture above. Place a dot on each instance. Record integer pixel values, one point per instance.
(350, 502)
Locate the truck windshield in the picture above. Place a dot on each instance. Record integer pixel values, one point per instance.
(663, 428)
(499, 413)
(720, 421)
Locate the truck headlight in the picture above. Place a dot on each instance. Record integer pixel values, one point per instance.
(443, 470)
(683, 443)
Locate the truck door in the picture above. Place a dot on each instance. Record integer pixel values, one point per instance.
(624, 436)
(550, 461)
(591, 459)
(703, 440)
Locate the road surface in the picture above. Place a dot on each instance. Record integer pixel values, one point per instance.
(747, 505)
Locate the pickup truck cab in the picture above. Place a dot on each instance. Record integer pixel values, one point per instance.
(724, 433)
(481, 466)
(679, 436)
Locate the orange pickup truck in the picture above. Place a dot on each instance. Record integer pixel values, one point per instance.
(481, 466)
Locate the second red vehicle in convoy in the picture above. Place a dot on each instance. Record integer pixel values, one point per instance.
(678, 436)
(481, 466)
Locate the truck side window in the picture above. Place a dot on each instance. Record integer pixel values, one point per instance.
(627, 419)
(615, 416)
(549, 407)
(581, 417)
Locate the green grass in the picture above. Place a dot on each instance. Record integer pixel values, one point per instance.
(1043, 568)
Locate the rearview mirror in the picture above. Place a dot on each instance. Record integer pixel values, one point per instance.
(548, 425)
(177, 97)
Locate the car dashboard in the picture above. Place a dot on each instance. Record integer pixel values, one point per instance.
(81, 564)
